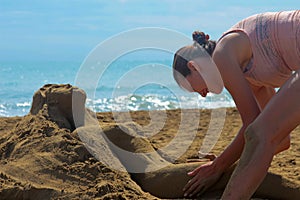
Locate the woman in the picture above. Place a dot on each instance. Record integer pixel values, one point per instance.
(254, 57)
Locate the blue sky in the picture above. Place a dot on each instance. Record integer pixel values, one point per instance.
(69, 29)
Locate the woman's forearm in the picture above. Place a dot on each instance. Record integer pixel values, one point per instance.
(232, 153)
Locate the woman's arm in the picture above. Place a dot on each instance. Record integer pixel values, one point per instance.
(262, 96)
(230, 52)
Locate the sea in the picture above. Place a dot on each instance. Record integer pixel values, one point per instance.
(123, 85)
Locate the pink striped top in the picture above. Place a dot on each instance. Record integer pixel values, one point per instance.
(275, 43)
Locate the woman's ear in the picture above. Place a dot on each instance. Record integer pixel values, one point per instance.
(191, 65)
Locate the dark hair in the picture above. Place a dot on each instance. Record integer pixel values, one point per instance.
(188, 53)
(203, 40)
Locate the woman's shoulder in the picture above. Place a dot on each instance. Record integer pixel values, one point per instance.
(234, 45)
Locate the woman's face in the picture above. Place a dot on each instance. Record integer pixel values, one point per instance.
(204, 77)
(196, 82)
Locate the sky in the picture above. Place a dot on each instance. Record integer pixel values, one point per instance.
(68, 30)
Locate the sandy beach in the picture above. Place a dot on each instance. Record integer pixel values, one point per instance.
(44, 158)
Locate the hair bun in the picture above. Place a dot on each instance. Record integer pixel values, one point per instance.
(200, 37)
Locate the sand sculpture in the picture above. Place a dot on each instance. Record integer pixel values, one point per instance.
(43, 155)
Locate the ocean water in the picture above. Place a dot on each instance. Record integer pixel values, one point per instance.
(19, 81)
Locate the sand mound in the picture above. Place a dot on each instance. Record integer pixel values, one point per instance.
(44, 156)
(60, 104)
(41, 158)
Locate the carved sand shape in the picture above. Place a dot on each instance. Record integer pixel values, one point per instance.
(56, 102)
(169, 181)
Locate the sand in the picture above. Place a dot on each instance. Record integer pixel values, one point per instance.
(43, 156)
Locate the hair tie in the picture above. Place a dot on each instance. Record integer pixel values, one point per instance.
(200, 37)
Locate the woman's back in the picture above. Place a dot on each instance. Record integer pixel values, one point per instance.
(275, 52)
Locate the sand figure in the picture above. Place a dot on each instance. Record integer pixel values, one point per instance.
(158, 182)
(169, 181)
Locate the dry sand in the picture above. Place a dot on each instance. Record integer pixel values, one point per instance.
(42, 156)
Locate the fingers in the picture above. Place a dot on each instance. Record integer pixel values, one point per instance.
(209, 156)
(194, 172)
(203, 177)
(191, 185)
(188, 185)
(198, 191)
(194, 187)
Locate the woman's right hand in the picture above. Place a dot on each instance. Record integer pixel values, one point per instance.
(204, 176)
